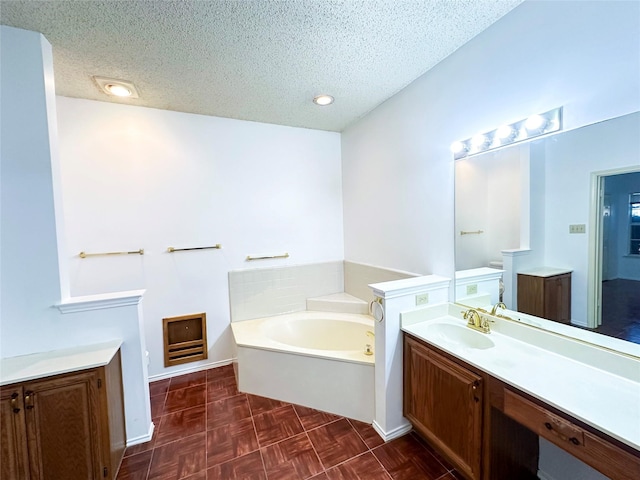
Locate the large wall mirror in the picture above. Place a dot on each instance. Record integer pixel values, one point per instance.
(552, 229)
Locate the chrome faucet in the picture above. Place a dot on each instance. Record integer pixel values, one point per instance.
(476, 321)
(494, 310)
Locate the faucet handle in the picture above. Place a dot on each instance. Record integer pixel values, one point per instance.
(472, 316)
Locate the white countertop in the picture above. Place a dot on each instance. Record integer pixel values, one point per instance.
(545, 271)
(607, 401)
(45, 364)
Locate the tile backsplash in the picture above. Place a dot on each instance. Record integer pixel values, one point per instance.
(262, 292)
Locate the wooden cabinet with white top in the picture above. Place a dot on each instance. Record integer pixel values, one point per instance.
(546, 293)
(68, 426)
(490, 430)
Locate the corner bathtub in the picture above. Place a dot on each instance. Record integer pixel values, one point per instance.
(315, 359)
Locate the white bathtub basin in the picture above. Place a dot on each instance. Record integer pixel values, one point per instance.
(320, 334)
(315, 359)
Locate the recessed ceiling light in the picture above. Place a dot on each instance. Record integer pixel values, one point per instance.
(115, 87)
(323, 100)
(117, 90)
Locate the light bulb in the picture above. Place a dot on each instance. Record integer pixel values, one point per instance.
(535, 122)
(479, 140)
(457, 147)
(504, 132)
(323, 100)
(118, 90)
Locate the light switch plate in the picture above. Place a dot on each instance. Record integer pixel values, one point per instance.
(578, 228)
(472, 289)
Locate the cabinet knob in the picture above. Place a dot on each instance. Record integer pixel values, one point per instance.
(28, 399)
(548, 425)
(14, 402)
(574, 440)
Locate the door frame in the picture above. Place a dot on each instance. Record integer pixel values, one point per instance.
(594, 275)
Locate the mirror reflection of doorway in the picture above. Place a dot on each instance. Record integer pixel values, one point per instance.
(620, 269)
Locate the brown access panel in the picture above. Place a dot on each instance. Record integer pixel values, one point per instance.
(185, 339)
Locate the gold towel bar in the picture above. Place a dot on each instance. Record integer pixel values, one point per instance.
(85, 255)
(171, 249)
(263, 257)
(476, 232)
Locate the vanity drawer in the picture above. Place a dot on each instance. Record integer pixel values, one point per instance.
(595, 451)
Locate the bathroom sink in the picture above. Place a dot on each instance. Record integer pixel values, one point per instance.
(459, 335)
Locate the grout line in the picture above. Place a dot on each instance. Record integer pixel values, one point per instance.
(150, 462)
(206, 425)
(324, 424)
(255, 432)
(383, 467)
(422, 442)
(153, 451)
(358, 433)
(306, 433)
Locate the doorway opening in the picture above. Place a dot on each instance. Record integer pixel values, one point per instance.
(614, 266)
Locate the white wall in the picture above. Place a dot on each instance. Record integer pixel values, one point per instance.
(570, 158)
(488, 197)
(33, 263)
(143, 178)
(30, 274)
(397, 167)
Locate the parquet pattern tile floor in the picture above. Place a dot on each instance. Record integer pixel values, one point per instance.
(207, 430)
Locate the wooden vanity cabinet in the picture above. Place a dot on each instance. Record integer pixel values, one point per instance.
(489, 430)
(444, 402)
(546, 296)
(68, 426)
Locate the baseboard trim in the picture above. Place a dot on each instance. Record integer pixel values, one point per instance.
(142, 438)
(197, 368)
(395, 433)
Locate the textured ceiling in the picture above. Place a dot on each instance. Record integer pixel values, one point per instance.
(260, 60)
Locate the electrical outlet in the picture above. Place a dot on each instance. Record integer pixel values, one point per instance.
(472, 289)
(578, 228)
(422, 298)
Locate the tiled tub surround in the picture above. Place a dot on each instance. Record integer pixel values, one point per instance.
(207, 430)
(594, 385)
(316, 359)
(261, 292)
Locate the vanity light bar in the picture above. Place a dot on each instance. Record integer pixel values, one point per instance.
(526, 129)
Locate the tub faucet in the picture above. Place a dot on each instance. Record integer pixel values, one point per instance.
(475, 321)
(367, 347)
(495, 308)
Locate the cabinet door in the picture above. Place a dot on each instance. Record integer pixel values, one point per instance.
(531, 295)
(62, 427)
(444, 402)
(557, 298)
(14, 461)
